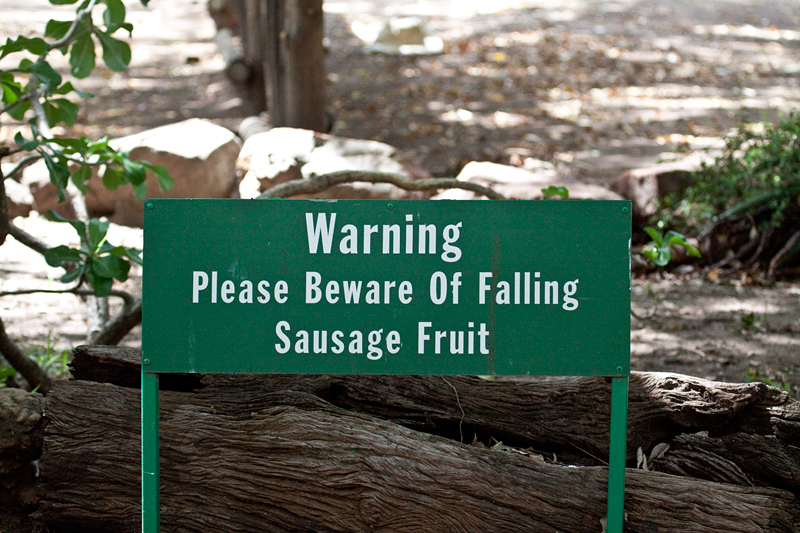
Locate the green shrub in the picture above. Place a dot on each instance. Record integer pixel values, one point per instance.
(759, 168)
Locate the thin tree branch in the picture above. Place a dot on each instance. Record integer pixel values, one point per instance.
(126, 297)
(27, 367)
(27, 239)
(325, 181)
(23, 163)
(79, 16)
(9, 107)
(119, 326)
(790, 243)
(4, 222)
(96, 307)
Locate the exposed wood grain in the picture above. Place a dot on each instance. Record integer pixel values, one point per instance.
(290, 462)
(569, 413)
(21, 429)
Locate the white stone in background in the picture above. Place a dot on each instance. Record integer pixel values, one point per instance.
(406, 36)
(521, 184)
(19, 199)
(283, 154)
(644, 186)
(199, 156)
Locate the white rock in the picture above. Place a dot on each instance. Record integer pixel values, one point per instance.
(521, 184)
(199, 156)
(283, 154)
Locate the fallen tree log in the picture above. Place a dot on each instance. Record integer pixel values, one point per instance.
(288, 461)
(565, 416)
(739, 458)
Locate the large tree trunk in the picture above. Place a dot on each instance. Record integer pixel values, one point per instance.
(294, 64)
(244, 459)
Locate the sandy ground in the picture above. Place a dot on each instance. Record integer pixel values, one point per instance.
(595, 87)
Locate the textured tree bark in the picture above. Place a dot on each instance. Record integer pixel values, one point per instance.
(274, 69)
(248, 460)
(568, 415)
(304, 68)
(21, 429)
(27, 367)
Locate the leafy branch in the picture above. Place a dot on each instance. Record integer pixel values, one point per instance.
(35, 91)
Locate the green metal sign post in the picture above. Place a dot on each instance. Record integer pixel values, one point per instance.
(386, 287)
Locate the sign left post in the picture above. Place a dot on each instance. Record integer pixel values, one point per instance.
(151, 508)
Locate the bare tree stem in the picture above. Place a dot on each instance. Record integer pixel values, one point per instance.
(27, 239)
(22, 165)
(27, 367)
(325, 181)
(119, 326)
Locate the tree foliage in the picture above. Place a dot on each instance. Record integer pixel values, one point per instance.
(39, 98)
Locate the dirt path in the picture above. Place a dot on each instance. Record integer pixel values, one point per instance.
(595, 87)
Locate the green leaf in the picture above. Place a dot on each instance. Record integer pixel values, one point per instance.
(112, 178)
(62, 255)
(552, 191)
(47, 74)
(52, 113)
(672, 238)
(79, 226)
(81, 176)
(69, 110)
(68, 88)
(97, 232)
(71, 146)
(99, 145)
(59, 174)
(18, 111)
(140, 191)
(56, 29)
(111, 266)
(655, 235)
(114, 15)
(24, 143)
(134, 254)
(108, 248)
(663, 257)
(9, 93)
(36, 46)
(75, 274)
(165, 182)
(7, 372)
(11, 89)
(692, 251)
(62, 2)
(116, 53)
(82, 56)
(135, 171)
(127, 26)
(100, 284)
